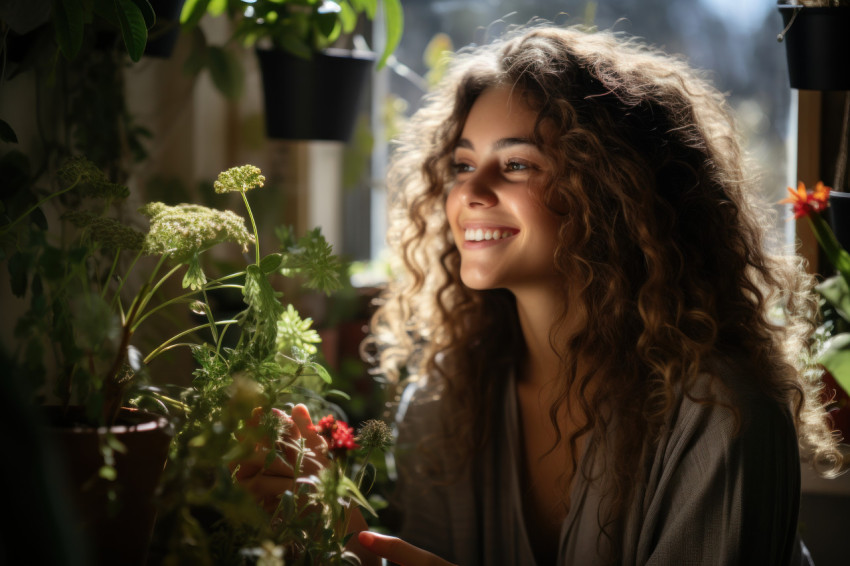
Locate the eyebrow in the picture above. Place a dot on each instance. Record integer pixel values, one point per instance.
(500, 144)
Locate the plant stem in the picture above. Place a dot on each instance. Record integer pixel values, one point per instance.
(183, 297)
(254, 226)
(36, 205)
(208, 312)
(839, 257)
(161, 348)
(111, 272)
(121, 280)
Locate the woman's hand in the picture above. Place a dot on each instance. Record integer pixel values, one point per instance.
(397, 551)
(267, 483)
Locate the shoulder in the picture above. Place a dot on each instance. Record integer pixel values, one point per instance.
(725, 404)
(723, 482)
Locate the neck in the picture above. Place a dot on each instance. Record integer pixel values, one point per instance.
(538, 311)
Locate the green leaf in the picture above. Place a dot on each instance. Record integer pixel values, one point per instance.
(198, 53)
(294, 45)
(836, 254)
(368, 6)
(836, 293)
(133, 28)
(95, 325)
(18, 274)
(326, 24)
(320, 371)
(107, 473)
(7, 134)
(105, 9)
(226, 72)
(194, 278)
(836, 359)
(147, 12)
(394, 25)
(69, 23)
(217, 7)
(271, 263)
(260, 295)
(115, 444)
(52, 263)
(192, 12)
(38, 218)
(347, 17)
(314, 257)
(352, 491)
(337, 393)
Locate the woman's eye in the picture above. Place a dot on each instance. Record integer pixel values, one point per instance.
(463, 168)
(516, 166)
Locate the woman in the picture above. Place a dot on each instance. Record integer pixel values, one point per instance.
(584, 315)
(586, 305)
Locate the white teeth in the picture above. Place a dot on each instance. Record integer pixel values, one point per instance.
(478, 235)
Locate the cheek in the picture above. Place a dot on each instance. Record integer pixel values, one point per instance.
(452, 207)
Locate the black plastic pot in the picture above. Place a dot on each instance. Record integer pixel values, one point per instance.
(315, 99)
(839, 217)
(163, 36)
(817, 45)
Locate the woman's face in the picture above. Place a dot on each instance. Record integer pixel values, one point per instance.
(505, 235)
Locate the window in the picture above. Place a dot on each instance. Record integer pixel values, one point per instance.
(733, 41)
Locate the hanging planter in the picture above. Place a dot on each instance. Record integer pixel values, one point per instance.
(316, 98)
(119, 531)
(163, 36)
(817, 41)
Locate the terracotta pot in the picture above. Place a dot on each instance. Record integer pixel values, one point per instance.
(116, 516)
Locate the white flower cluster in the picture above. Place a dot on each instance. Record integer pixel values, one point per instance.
(186, 229)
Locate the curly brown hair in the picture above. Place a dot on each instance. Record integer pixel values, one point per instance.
(664, 244)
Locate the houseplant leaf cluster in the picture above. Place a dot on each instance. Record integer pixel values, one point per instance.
(88, 296)
(300, 27)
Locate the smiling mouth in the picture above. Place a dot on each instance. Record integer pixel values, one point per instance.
(482, 234)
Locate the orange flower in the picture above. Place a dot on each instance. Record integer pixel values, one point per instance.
(805, 202)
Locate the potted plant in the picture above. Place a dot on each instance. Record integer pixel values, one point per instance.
(831, 348)
(82, 307)
(816, 42)
(72, 21)
(311, 87)
(250, 366)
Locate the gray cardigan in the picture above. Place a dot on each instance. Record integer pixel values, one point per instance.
(711, 496)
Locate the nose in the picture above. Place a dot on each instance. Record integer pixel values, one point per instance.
(476, 191)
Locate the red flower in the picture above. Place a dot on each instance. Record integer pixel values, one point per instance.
(805, 202)
(339, 435)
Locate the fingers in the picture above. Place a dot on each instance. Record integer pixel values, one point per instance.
(396, 550)
(301, 417)
(312, 440)
(288, 445)
(267, 490)
(260, 462)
